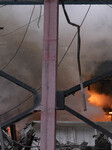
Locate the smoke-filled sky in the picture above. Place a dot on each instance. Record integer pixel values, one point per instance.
(96, 34)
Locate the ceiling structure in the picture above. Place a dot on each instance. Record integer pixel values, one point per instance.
(38, 2)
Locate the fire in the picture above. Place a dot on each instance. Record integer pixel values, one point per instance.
(105, 102)
(102, 118)
(9, 131)
(100, 100)
(110, 113)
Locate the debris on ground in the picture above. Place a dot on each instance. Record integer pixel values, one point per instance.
(31, 141)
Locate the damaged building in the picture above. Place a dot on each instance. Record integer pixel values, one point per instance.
(69, 136)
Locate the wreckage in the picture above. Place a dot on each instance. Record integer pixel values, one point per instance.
(30, 140)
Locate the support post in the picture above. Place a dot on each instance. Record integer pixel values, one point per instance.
(49, 67)
(13, 132)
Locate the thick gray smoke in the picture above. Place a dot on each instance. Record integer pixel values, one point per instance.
(104, 86)
(95, 49)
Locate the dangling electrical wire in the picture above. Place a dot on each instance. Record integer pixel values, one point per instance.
(21, 40)
(13, 31)
(39, 16)
(78, 54)
(19, 103)
(73, 38)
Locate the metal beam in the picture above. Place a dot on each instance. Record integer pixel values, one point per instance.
(18, 82)
(13, 132)
(17, 118)
(39, 2)
(89, 122)
(49, 72)
(86, 83)
(24, 114)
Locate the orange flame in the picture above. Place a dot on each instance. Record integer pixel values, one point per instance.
(110, 113)
(103, 118)
(100, 100)
(9, 131)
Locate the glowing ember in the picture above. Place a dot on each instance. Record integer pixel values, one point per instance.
(110, 113)
(9, 131)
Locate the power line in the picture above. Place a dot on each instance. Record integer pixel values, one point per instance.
(21, 40)
(39, 16)
(11, 32)
(105, 3)
(19, 104)
(16, 106)
(74, 37)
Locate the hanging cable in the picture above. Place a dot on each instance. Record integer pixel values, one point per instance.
(78, 54)
(21, 40)
(74, 37)
(11, 32)
(66, 15)
(19, 104)
(39, 16)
